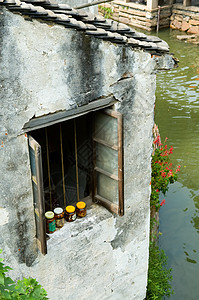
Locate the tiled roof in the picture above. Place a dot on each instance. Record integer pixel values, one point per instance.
(94, 25)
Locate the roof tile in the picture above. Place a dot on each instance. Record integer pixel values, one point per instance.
(62, 19)
(94, 25)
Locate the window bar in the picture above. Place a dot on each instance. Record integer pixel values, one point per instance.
(120, 167)
(77, 180)
(62, 165)
(48, 163)
(94, 184)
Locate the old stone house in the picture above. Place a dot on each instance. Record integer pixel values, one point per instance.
(77, 101)
(150, 14)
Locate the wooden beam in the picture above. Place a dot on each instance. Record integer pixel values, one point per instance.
(112, 176)
(114, 147)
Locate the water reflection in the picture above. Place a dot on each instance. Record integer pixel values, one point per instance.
(180, 240)
(177, 114)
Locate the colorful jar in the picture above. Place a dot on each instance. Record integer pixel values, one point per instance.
(70, 213)
(50, 222)
(59, 217)
(81, 209)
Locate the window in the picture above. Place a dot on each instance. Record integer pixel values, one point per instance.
(78, 158)
(108, 160)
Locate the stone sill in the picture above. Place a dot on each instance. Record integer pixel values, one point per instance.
(95, 215)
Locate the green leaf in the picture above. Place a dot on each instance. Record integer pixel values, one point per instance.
(5, 295)
(9, 281)
(1, 279)
(26, 289)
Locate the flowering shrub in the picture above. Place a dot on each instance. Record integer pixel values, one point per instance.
(159, 276)
(162, 171)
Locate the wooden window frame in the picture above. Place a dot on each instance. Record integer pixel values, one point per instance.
(114, 208)
(40, 221)
(37, 179)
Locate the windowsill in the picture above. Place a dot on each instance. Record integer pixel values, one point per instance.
(95, 214)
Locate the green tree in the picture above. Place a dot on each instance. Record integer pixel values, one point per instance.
(26, 289)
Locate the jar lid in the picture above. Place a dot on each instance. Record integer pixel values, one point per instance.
(49, 215)
(58, 210)
(81, 204)
(70, 208)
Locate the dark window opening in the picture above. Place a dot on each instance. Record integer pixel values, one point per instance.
(59, 161)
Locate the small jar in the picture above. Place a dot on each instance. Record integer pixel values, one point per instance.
(70, 213)
(50, 222)
(59, 217)
(81, 209)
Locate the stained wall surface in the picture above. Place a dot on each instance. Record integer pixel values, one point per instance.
(49, 68)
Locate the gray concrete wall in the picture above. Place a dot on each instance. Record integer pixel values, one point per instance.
(45, 69)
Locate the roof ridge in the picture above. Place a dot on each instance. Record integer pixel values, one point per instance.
(91, 24)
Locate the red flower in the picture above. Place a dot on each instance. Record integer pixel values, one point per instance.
(157, 191)
(171, 150)
(157, 140)
(163, 202)
(170, 173)
(178, 169)
(163, 174)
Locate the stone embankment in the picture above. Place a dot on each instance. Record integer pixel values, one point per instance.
(176, 16)
(186, 19)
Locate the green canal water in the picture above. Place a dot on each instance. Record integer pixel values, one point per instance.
(177, 115)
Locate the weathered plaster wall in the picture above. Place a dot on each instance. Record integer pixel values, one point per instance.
(47, 68)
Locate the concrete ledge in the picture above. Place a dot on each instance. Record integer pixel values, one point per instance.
(185, 37)
(193, 9)
(140, 6)
(131, 4)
